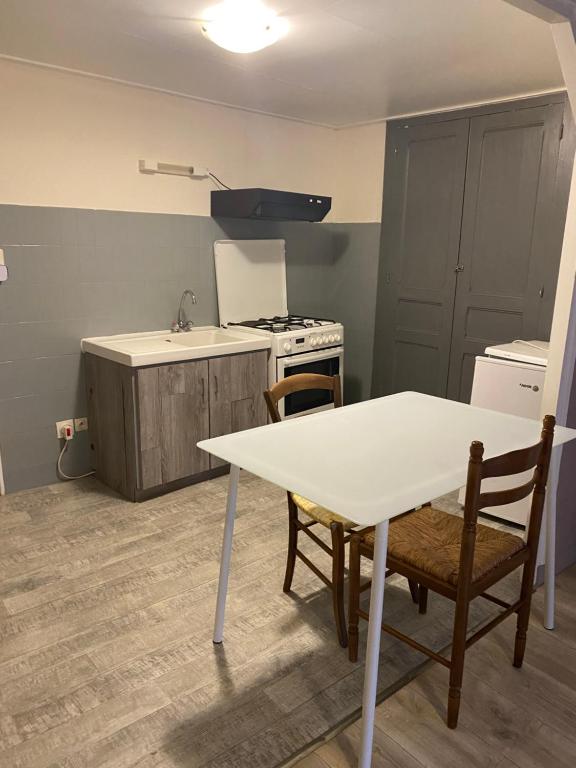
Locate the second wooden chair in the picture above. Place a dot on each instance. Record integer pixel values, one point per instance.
(461, 559)
(340, 528)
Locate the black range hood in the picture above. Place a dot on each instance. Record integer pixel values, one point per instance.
(269, 205)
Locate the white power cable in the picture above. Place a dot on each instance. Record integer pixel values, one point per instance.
(61, 474)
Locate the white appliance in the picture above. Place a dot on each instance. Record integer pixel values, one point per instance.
(510, 380)
(251, 286)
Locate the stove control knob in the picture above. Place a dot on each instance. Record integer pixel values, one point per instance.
(325, 339)
(313, 341)
(337, 337)
(287, 347)
(331, 339)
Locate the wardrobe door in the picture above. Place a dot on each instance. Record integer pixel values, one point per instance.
(509, 251)
(423, 192)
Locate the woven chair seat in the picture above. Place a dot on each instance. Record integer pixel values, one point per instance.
(429, 540)
(320, 514)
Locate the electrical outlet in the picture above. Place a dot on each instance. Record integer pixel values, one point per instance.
(62, 428)
(81, 424)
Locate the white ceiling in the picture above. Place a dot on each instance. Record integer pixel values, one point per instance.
(343, 61)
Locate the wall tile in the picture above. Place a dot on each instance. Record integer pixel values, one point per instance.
(43, 264)
(35, 375)
(77, 273)
(35, 339)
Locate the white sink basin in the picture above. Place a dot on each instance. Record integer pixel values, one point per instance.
(202, 337)
(157, 347)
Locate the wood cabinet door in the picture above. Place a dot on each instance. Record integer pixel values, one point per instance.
(237, 385)
(423, 191)
(509, 246)
(173, 417)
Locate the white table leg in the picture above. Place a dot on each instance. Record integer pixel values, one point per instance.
(226, 553)
(373, 649)
(550, 528)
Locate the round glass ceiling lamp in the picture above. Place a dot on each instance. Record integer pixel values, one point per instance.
(242, 26)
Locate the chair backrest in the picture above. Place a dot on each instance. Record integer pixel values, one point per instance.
(535, 457)
(297, 383)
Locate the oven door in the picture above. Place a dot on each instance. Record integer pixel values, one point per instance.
(328, 362)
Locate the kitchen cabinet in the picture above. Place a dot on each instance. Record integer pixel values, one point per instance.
(145, 422)
(236, 401)
(173, 416)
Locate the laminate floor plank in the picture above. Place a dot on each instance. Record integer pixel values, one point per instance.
(547, 679)
(106, 660)
(565, 626)
(157, 549)
(414, 722)
(313, 760)
(343, 750)
(509, 718)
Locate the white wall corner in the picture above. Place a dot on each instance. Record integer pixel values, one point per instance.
(562, 355)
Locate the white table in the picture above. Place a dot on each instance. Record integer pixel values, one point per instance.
(368, 462)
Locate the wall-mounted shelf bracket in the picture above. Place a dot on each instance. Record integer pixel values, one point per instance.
(172, 169)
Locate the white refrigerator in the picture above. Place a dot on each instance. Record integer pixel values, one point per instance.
(510, 379)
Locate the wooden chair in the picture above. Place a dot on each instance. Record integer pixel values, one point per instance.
(460, 559)
(339, 527)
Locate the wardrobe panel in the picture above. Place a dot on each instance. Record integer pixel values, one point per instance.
(507, 233)
(424, 182)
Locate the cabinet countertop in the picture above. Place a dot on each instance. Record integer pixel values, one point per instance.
(137, 350)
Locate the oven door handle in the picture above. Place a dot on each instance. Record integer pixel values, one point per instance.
(312, 357)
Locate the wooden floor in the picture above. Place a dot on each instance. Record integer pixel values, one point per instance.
(106, 610)
(509, 718)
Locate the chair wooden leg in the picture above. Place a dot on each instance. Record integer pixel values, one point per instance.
(338, 557)
(457, 663)
(292, 543)
(523, 614)
(414, 590)
(354, 598)
(423, 599)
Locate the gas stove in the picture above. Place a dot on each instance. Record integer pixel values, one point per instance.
(286, 323)
(251, 283)
(295, 334)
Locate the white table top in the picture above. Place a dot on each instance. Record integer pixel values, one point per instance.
(371, 461)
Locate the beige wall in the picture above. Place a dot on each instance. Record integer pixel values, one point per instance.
(360, 173)
(70, 140)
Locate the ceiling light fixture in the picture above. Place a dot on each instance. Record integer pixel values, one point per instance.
(242, 26)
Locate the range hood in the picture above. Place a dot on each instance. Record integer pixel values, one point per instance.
(269, 205)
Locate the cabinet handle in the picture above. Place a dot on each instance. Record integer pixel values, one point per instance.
(203, 391)
(216, 386)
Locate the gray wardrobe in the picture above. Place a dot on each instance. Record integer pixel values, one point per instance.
(472, 227)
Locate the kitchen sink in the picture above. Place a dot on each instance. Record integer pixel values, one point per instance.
(157, 347)
(202, 337)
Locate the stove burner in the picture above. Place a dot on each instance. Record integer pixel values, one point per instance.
(284, 324)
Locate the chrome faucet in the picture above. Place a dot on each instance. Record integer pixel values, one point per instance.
(180, 325)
